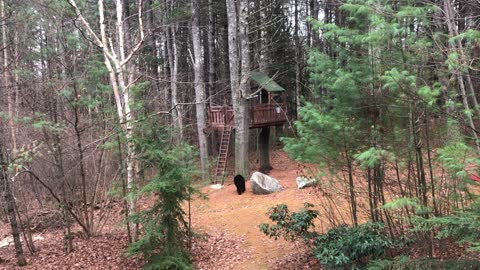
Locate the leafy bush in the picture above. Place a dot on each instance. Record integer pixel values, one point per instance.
(464, 226)
(405, 263)
(342, 246)
(291, 226)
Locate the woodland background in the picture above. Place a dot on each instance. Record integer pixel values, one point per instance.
(105, 102)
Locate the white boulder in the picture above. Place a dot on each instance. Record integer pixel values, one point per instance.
(264, 184)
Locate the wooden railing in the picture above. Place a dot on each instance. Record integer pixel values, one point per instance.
(268, 115)
(220, 116)
(261, 115)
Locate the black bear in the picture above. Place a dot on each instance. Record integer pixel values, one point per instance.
(239, 182)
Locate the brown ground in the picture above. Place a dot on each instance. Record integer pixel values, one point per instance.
(226, 211)
(226, 223)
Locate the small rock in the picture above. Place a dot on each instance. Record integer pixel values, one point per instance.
(303, 182)
(216, 186)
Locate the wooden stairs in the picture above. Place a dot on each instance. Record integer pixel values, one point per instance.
(223, 153)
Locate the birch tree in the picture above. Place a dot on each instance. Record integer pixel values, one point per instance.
(117, 61)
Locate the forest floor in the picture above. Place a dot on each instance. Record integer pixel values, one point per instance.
(229, 213)
(226, 226)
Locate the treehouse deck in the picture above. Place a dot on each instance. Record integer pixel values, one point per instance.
(261, 115)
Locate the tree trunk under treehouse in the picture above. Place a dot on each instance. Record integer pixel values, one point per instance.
(264, 150)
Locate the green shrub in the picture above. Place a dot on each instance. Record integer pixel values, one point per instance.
(164, 229)
(340, 247)
(405, 263)
(463, 226)
(351, 246)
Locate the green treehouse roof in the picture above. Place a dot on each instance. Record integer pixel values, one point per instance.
(266, 82)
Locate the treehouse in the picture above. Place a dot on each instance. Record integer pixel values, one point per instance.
(267, 107)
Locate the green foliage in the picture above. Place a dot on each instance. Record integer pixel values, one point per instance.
(340, 247)
(454, 157)
(464, 226)
(405, 263)
(373, 156)
(404, 202)
(291, 226)
(401, 203)
(164, 228)
(351, 246)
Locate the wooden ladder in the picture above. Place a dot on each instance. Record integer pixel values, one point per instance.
(223, 152)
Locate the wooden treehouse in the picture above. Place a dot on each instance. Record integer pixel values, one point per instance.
(268, 107)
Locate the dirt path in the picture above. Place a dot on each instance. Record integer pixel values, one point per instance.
(228, 212)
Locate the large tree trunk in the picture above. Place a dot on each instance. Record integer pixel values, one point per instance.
(264, 150)
(199, 90)
(264, 135)
(239, 84)
(242, 164)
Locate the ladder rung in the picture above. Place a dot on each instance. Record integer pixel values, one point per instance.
(223, 151)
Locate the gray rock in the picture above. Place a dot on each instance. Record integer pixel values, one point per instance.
(264, 184)
(303, 182)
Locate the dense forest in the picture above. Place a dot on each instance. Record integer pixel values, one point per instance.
(109, 102)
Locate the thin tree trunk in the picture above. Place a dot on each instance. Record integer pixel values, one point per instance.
(430, 167)
(212, 86)
(351, 185)
(177, 116)
(10, 202)
(6, 82)
(211, 53)
(298, 60)
(124, 190)
(453, 30)
(124, 73)
(449, 17)
(153, 44)
(199, 90)
(422, 183)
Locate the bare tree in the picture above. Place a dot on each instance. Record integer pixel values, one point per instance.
(117, 61)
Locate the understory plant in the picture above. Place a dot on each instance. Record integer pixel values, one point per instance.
(164, 229)
(340, 247)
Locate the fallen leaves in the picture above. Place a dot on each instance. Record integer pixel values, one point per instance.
(215, 250)
(102, 252)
